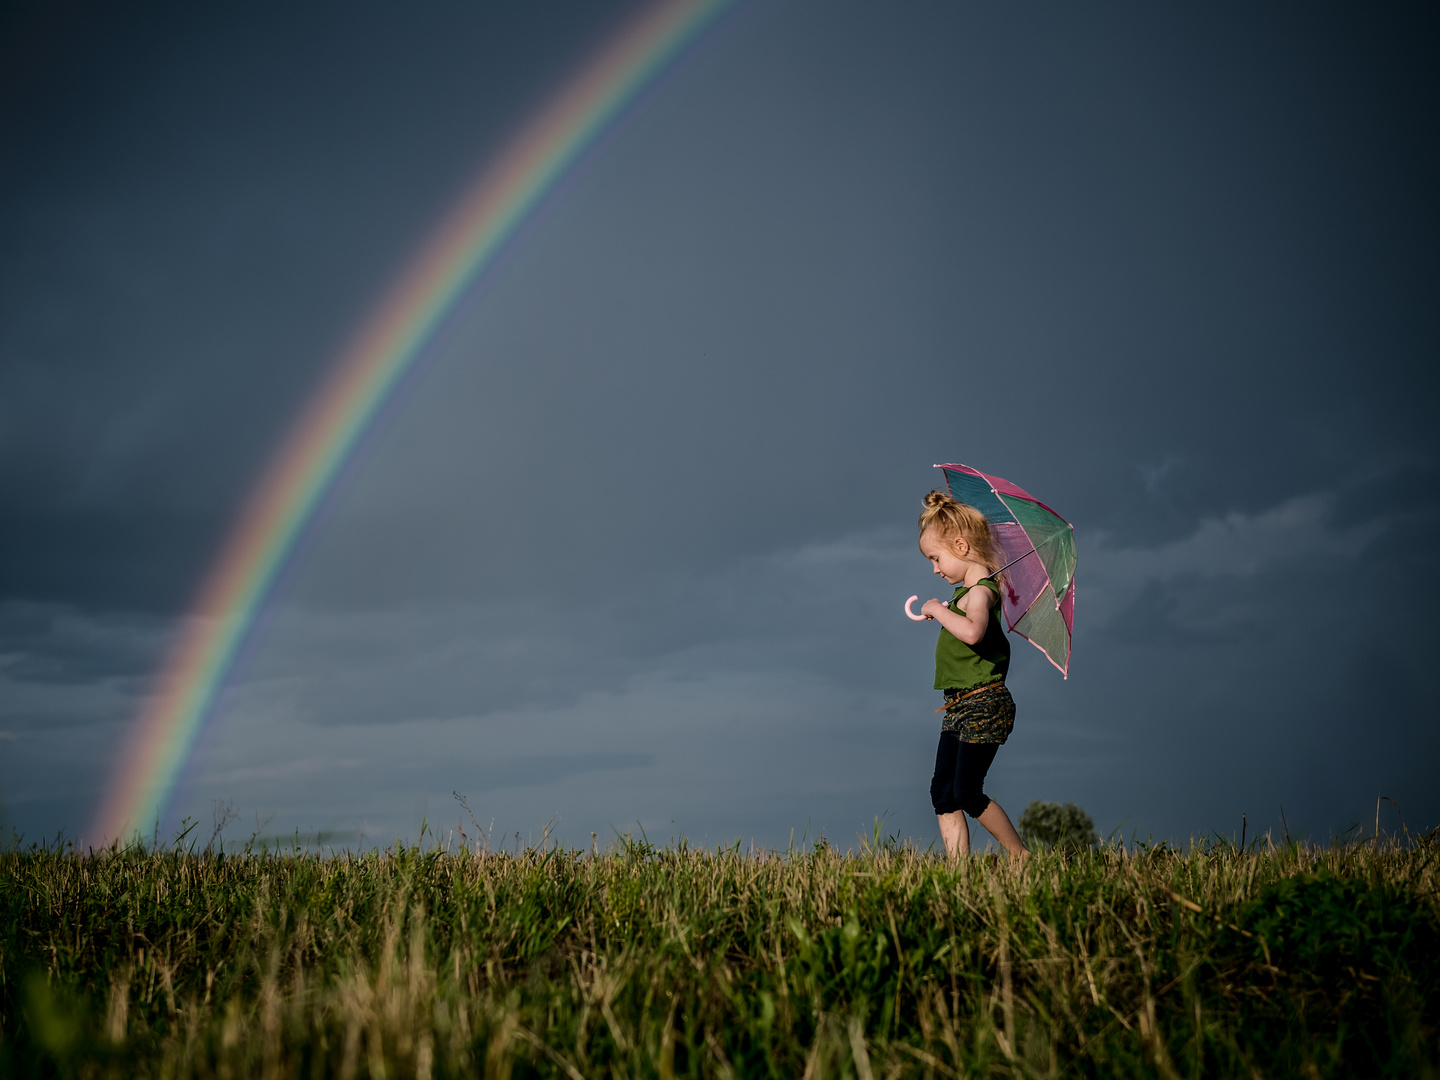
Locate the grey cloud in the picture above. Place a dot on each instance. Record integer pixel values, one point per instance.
(50, 643)
(1156, 616)
(1222, 560)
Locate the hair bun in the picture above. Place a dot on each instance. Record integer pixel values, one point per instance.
(936, 499)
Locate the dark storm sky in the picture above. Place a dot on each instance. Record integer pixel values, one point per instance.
(631, 547)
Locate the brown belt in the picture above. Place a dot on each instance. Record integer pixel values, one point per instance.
(972, 693)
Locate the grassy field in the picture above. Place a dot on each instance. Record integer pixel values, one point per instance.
(637, 961)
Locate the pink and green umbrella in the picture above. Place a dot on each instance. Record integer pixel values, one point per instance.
(1038, 584)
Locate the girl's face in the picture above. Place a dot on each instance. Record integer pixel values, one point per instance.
(947, 556)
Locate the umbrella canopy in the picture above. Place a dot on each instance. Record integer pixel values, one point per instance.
(1038, 583)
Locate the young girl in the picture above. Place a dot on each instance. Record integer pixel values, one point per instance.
(971, 659)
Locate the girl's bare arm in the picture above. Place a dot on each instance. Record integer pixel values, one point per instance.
(970, 626)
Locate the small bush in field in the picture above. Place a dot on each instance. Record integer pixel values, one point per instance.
(1051, 825)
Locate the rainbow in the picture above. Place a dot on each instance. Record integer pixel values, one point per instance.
(364, 376)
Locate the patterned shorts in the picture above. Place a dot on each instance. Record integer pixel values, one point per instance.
(984, 714)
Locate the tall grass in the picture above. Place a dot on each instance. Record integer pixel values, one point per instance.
(642, 962)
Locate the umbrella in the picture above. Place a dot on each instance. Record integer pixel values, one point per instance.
(1038, 590)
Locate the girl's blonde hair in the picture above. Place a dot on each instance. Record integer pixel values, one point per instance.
(953, 520)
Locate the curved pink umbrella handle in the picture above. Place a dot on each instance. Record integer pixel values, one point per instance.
(917, 618)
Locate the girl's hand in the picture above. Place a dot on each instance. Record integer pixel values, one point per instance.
(970, 622)
(931, 608)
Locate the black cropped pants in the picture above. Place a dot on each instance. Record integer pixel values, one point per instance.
(959, 780)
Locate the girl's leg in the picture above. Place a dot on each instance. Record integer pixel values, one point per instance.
(974, 761)
(955, 831)
(997, 824)
(953, 828)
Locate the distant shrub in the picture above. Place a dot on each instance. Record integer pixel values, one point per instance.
(1051, 825)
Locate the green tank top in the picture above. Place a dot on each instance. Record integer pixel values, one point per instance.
(960, 666)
